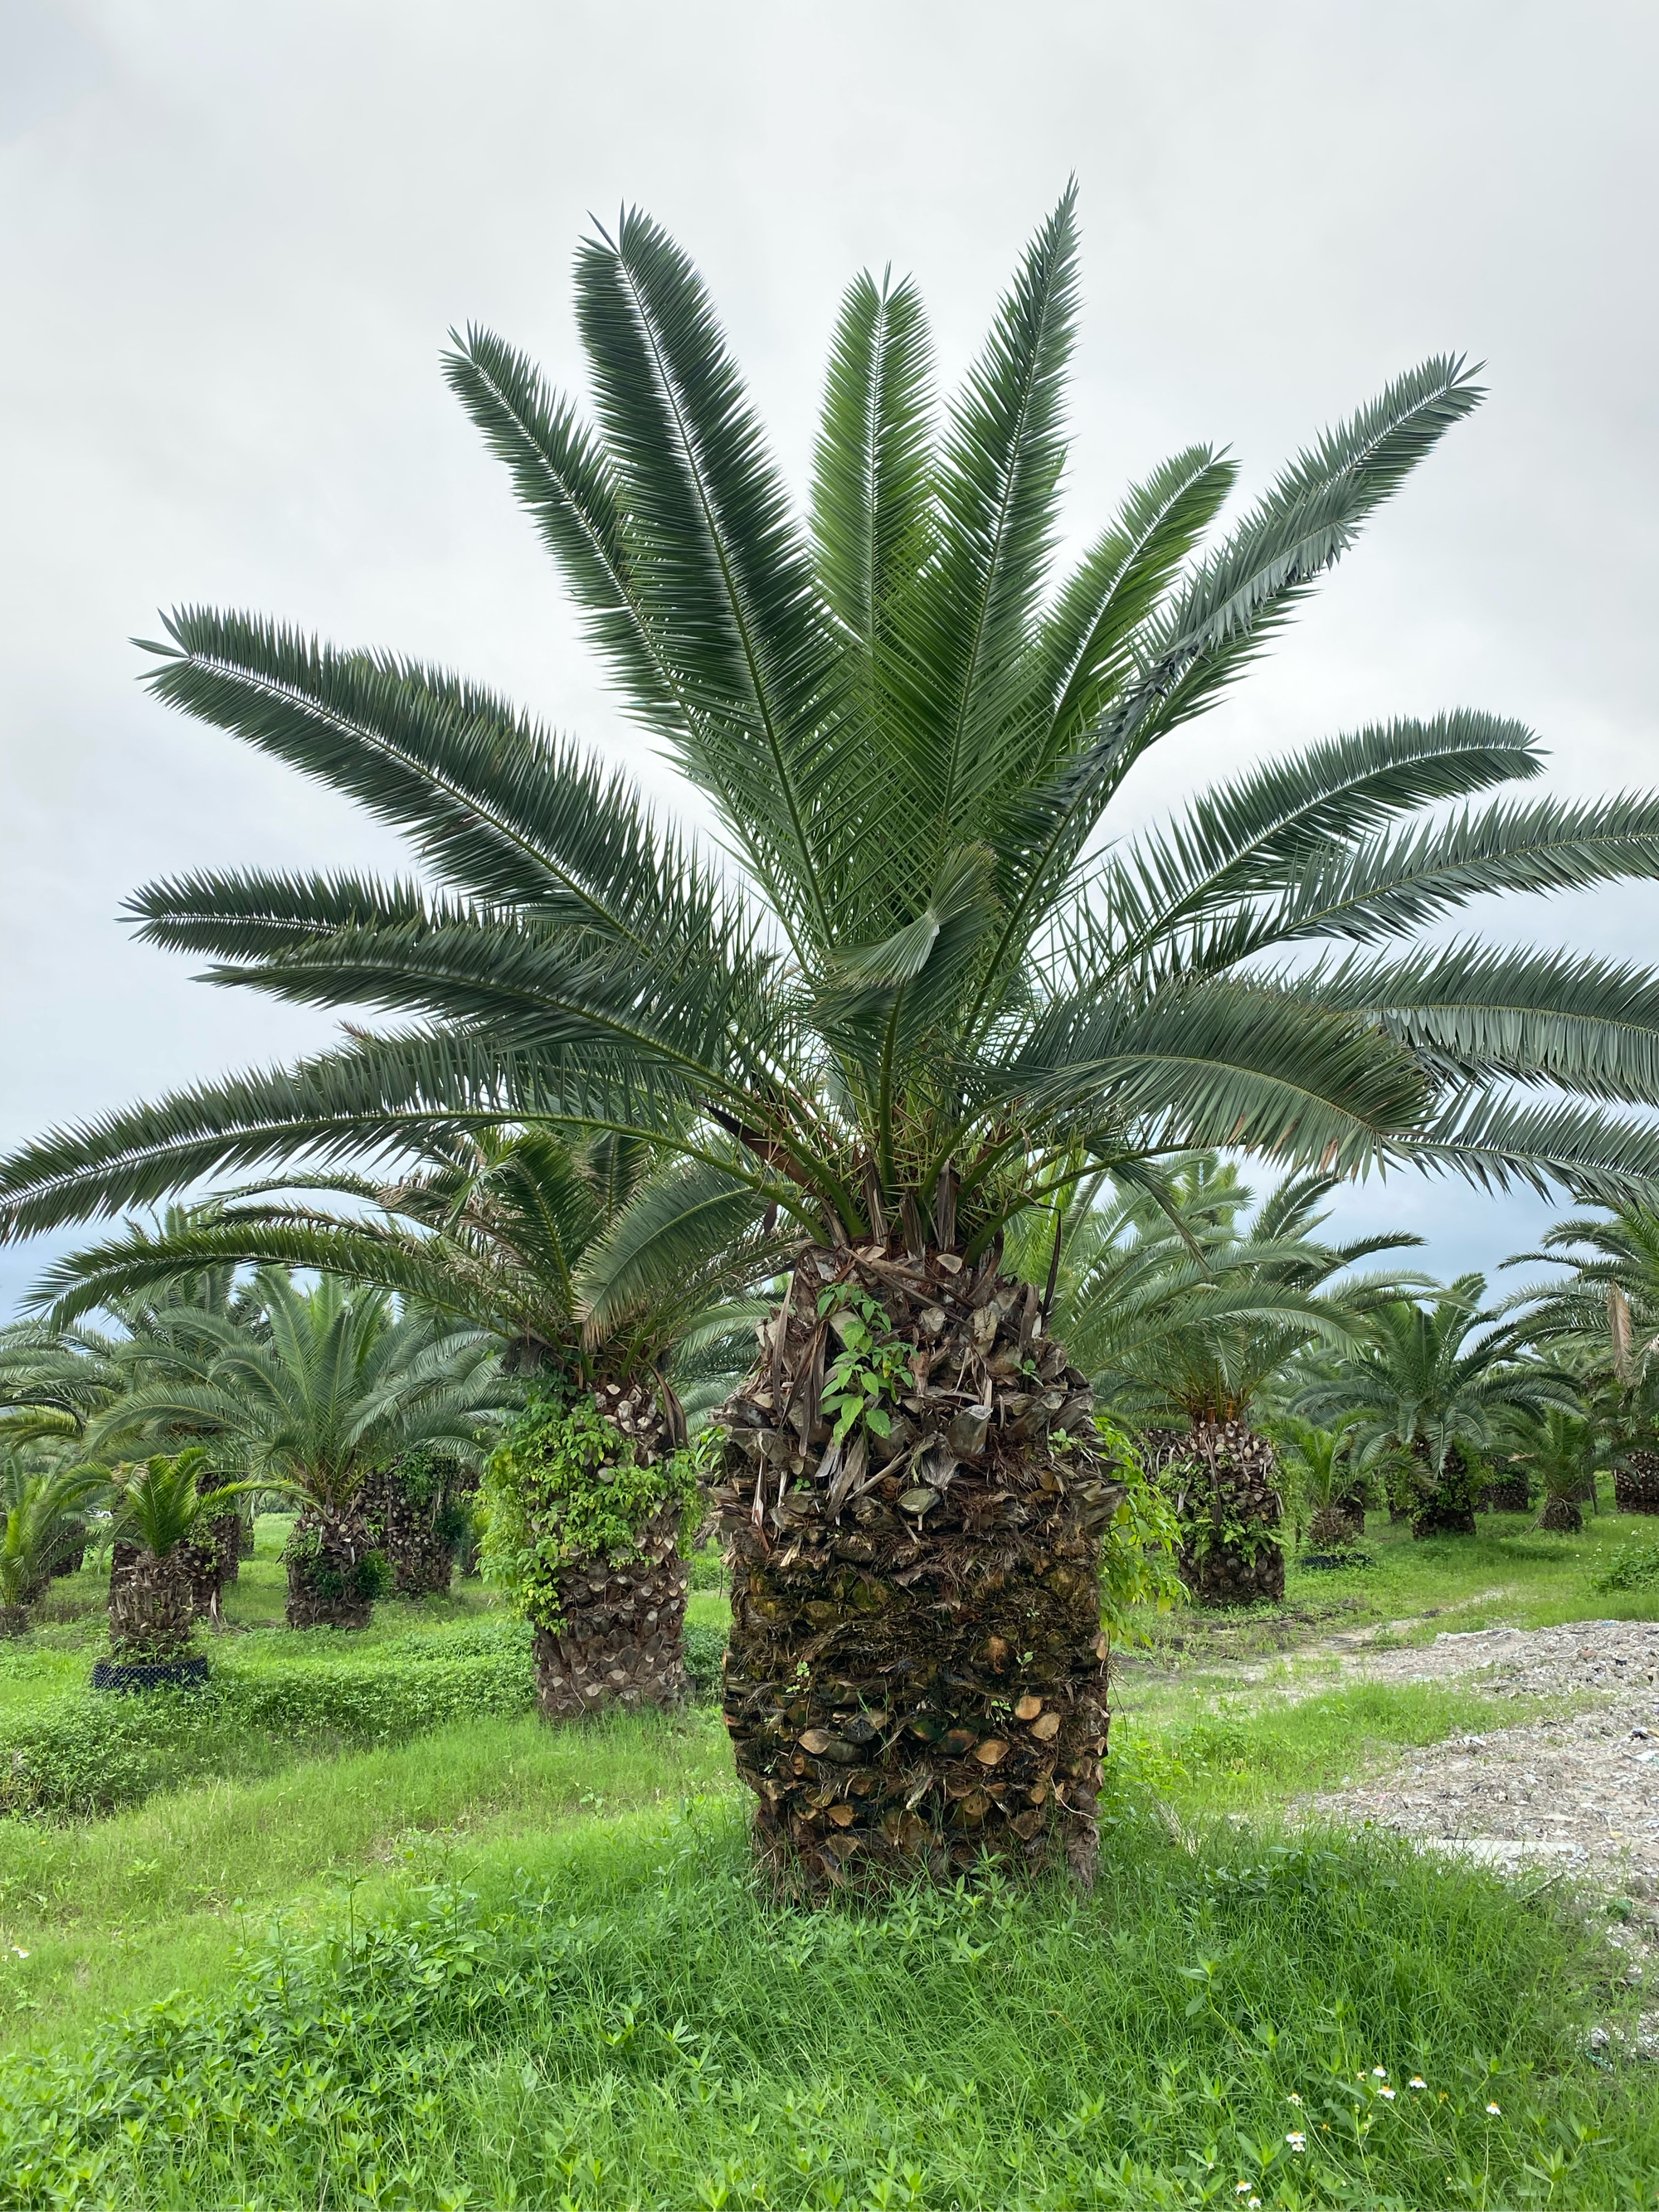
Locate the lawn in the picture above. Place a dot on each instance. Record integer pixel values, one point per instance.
(485, 1962)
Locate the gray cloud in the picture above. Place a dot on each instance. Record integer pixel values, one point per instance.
(237, 236)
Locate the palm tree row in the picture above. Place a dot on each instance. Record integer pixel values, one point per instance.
(925, 991)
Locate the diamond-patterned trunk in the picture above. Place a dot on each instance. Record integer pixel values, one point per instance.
(407, 1530)
(916, 1676)
(1223, 1479)
(150, 1603)
(326, 1578)
(1635, 1482)
(623, 1638)
(1445, 1503)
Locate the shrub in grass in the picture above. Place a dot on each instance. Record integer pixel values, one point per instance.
(1636, 1569)
(1324, 2024)
(83, 1757)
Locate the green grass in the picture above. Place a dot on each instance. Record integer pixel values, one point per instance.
(617, 2016)
(510, 1964)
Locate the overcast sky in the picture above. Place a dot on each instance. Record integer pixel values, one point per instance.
(234, 237)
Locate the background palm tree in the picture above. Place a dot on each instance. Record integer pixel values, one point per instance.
(1320, 1471)
(37, 1507)
(1185, 1309)
(553, 1250)
(1567, 1448)
(923, 983)
(1427, 1393)
(1603, 1321)
(163, 1509)
(341, 1386)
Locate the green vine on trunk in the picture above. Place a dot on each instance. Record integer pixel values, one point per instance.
(873, 1364)
(564, 1487)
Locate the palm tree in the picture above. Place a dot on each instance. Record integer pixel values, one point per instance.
(37, 1506)
(1319, 1467)
(1569, 1449)
(1183, 1309)
(918, 981)
(162, 1514)
(1604, 1318)
(341, 1387)
(550, 1247)
(1426, 1394)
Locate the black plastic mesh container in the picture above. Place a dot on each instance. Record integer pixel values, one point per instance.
(149, 1673)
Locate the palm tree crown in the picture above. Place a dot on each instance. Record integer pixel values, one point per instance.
(925, 987)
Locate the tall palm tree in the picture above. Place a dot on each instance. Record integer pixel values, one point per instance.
(1427, 1394)
(1604, 1319)
(550, 1248)
(918, 979)
(1184, 1309)
(341, 1387)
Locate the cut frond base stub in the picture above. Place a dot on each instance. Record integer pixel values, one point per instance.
(624, 1640)
(1336, 1525)
(1223, 1480)
(1635, 1482)
(916, 1682)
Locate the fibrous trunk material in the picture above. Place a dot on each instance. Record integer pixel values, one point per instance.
(622, 1640)
(1445, 1501)
(408, 1530)
(1336, 1525)
(1635, 1482)
(329, 1584)
(1223, 1480)
(151, 1605)
(915, 1681)
(1507, 1492)
(211, 1562)
(1562, 1516)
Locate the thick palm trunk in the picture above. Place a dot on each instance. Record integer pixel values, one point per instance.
(408, 1531)
(916, 1679)
(1445, 1504)
(151, 1607)
(14, 1619)
(1507, 1492)
(1336, 1525)
(1223, 1479)
(1635, 1482)
(1562, 1516)
(622, 1641)
(331, 1579)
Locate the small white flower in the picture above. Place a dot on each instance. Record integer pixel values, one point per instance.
(1493, 2110)
(1241, 2188)
(19, 1951)
(1294, 2099)
(1417, 2082)
(1385, 2093)
(1380, 2073)
(1254, 2205)
(1297, 2140)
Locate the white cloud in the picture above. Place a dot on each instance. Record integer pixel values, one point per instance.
(237, 237)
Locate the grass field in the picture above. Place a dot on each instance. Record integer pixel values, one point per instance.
(493, 1963)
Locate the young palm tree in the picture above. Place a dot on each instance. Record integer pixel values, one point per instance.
(340, 1387)
(1568, 1449)
(163, 1514)
(1183, 1309)
(38, 1508)
(1425, 1395)
(922, 981)
(550, 1248)
(1319, 1467)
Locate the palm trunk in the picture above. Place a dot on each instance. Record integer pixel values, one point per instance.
(1562, 1516)
(1336, 1525)
(407, 1530)
(1635, 1482)
(916, 1679)
(622, 1641)
(1445, 1505)
(1507, 1492)
(150, 1603)
(330, 1582)
(1224, 1481)
(14, 1619)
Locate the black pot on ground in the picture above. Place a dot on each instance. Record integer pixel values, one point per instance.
(129, 1674)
